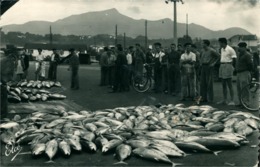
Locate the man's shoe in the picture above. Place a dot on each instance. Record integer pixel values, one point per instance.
(231, 103)
(222, 102)
(182, 99)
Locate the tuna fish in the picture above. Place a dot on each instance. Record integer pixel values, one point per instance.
(38, 148)
(8, 125)
(111, 144)
(88, 144)
(122, 152)
(64, 147)
(51, 149)
(153, 154)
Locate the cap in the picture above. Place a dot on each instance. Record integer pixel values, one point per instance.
(71, 49)
(242, 44)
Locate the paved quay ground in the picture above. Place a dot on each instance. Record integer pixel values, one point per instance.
(92, 97)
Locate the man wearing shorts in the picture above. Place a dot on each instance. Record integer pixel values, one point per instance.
(226, 69)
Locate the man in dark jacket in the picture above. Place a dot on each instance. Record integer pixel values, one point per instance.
(174, 71)
(54, 61)
(26, 59)
(73, 61)
(120, 68)
(104, 67)
(244, 67)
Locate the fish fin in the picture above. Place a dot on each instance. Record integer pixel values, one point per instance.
(217, 152)
(186, 155)
(156, 159)
(50, 161)
(176, 164)
(120, 162)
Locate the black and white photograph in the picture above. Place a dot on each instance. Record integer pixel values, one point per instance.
(129, 83)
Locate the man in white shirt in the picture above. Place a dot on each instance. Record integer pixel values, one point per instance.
(40, 65)
(188, 77)
(129, 70)
(226, 69)
(54, 61)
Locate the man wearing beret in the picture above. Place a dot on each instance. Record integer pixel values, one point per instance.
(244, 67)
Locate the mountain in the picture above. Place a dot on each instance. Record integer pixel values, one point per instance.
(103, 22)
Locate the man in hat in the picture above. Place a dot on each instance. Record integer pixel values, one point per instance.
(244, 66)
(54, 61)
(226, 69)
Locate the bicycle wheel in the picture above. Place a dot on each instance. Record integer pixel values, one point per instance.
(141, 84)
(249, 97)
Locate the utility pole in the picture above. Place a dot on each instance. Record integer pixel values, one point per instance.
(124, 41)
(174, 18)
(145, 34)
(116, 35)
(50, 37)
(187, 28)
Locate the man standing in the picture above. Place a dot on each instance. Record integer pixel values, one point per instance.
(174, 71)
(104, 67)
(40, 65)
(158, 55)
(209, 58)
(187, 62)
(54, 61)
(138, 60)
(197, 67)
(120, 64)
(129, 72)
(74, 68)
(243, 67)
(226, 69)
(26, 59)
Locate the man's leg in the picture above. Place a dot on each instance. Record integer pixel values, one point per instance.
(231, 91)
(203, 92)
(184, 86)
(224, 89)
(210, 91)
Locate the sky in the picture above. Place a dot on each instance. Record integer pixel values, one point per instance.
(212, 14)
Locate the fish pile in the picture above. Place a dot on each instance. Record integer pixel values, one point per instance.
(38, 84)
(151, 132)
(19, 94)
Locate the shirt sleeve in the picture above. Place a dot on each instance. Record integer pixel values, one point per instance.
(193, 57)
(182, 57)
(232, 53)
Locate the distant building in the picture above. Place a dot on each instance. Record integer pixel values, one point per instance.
(251, 40)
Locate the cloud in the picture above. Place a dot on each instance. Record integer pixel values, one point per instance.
(249, 3)
(134, 9)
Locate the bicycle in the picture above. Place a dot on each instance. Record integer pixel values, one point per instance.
(143, 83)
(250, 96)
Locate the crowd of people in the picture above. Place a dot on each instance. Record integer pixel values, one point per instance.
(183, 71)
(21, 58)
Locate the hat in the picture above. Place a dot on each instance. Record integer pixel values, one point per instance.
(242, 45)
(71, 49)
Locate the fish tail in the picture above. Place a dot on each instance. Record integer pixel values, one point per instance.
(120, 162)
(176, 164)
(186, 154)
(50, 161)
(217, 152)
